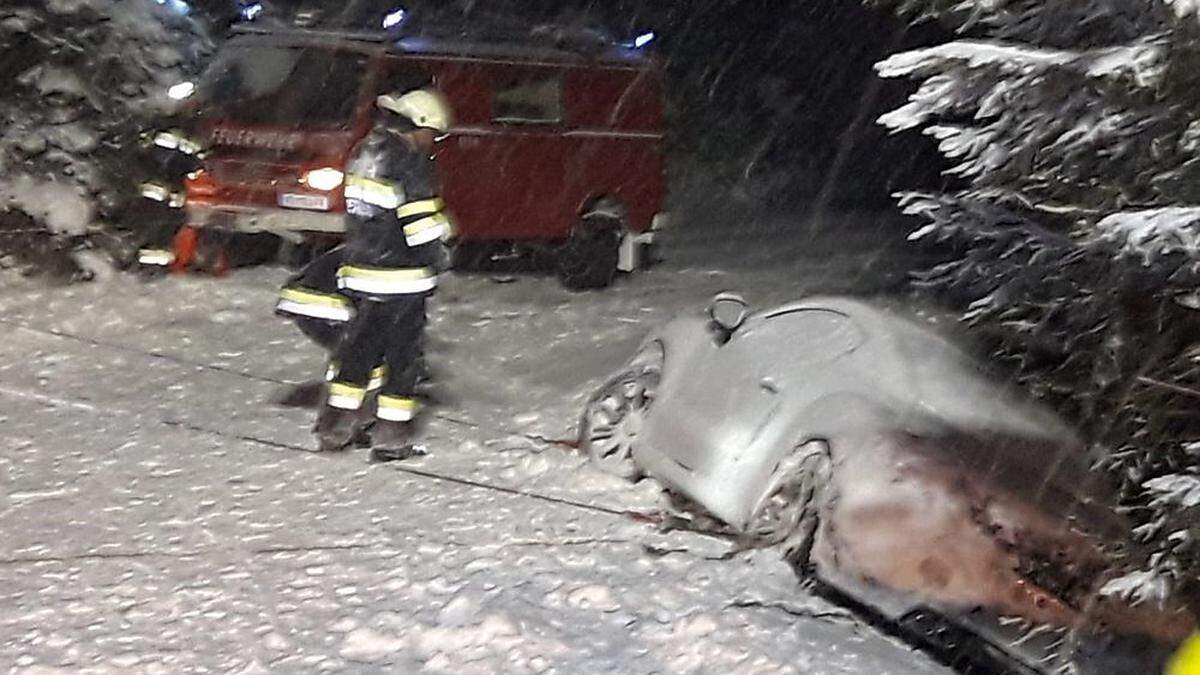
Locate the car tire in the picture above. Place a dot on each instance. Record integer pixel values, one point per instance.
(613, 416)
(588, 259)
(790, 514)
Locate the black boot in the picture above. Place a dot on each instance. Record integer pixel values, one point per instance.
(392, 441)
(335, 428)
(364, 425)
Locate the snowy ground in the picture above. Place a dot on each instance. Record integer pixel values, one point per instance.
(155, 514)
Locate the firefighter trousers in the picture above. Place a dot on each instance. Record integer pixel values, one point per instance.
(388, 332)
(311, 299)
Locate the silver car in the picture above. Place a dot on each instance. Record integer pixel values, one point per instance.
(890, 470)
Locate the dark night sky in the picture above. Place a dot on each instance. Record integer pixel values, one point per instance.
(771, 91)
(777, 89)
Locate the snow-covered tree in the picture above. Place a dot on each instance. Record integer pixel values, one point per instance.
(1073, 240)
(82, 79)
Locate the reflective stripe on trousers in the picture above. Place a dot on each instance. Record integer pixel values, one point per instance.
(396, 408)
(156, 256)
(387, 281)
(378, 376)
(346, 396)
(314, 304)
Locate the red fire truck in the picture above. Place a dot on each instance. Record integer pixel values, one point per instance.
(555, 149)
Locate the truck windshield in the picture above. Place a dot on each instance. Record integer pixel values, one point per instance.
(276, 85)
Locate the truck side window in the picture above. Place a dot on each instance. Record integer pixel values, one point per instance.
(529, 101)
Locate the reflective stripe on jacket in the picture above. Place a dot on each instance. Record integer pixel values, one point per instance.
(382, 193)
(431, 222)
(428, 229)
(421, 207)
(177, 140)
(158, 192)
(393, 250)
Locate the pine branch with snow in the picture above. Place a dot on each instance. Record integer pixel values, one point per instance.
(1073, 241)
(84, 78)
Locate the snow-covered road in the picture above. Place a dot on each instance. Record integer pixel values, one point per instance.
(154, 515)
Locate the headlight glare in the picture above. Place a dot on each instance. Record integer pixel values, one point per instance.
(323, 179)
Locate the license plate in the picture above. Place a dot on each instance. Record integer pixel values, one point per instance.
(309, 202)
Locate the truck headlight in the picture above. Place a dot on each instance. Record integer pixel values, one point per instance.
(323, 179)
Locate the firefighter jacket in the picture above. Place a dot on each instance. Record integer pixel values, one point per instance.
(169, 155)
(395, 224)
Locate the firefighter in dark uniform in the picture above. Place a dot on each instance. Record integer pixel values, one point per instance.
(172, 155)
(365, 300)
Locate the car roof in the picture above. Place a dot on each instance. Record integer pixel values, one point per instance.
(911, 357)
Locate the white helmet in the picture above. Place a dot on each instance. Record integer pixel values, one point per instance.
(425, 108)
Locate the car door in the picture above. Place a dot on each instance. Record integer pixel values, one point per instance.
(733, 404)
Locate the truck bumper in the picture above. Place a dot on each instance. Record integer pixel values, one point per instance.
(287, 223)
(634, 246)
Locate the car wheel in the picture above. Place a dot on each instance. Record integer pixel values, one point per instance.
(589, 258)
(614, 416)
(789, 515)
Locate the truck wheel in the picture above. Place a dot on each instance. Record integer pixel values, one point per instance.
(589, 258)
